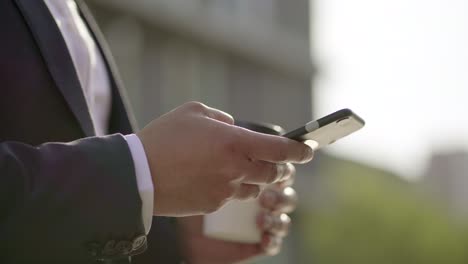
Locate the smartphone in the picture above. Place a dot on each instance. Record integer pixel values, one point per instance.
(328, 129)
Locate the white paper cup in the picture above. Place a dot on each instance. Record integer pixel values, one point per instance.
(237, 220)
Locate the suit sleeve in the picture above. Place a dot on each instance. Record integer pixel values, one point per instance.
(74, 202)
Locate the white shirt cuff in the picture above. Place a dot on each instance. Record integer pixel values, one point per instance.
(143, 177)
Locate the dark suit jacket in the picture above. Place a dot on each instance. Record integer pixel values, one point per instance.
(63, 202)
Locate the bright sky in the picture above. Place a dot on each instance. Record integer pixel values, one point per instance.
(403, 66)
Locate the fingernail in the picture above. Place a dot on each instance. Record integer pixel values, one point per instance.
(280, 169)
(312, 143)
(309, 155)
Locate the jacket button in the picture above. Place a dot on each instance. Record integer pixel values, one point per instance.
(109, 249)
(124, 247)
(94, 248)
(138, 242)
(93, 252)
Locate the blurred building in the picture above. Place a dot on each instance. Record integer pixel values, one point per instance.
(249, 58)
(446, 180)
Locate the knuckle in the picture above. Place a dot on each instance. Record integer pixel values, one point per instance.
(230, 119)
(195, 106)
(226, 117)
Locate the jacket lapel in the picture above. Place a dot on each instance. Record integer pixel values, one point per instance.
(58, 60)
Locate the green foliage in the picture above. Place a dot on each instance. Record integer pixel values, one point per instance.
(374, 217)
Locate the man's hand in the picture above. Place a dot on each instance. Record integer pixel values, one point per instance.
(199, 160)
(276, 201)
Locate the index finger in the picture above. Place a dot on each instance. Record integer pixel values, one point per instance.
(277, 149)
